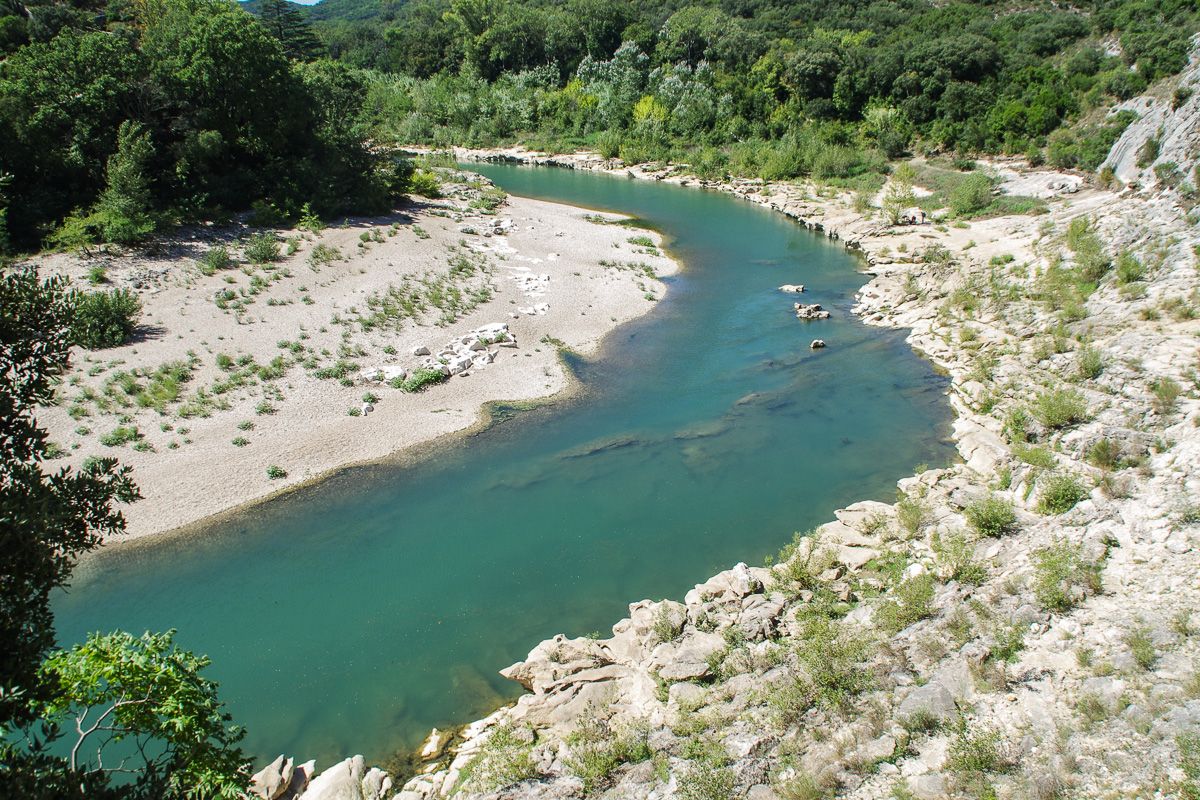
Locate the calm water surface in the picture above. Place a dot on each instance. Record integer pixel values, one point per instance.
(353, 616)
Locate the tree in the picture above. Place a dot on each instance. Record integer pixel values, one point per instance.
(287, 24)
(45, 519)
(899, 193)
(144, 691)
(147, 692)
(123, 210)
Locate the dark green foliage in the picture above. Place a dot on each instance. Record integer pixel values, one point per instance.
(665, 80)
(105, 319)
(193, 111)
(287, 24)
(45, 519)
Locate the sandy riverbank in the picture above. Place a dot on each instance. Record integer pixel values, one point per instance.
(275, 358)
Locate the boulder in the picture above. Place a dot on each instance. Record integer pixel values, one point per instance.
(933, 699)
(810, 311)
(793, 288)
(817, 344)
(272, 781)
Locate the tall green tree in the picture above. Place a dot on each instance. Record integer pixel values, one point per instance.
(144, 694)
(124, 208)
(287, 24)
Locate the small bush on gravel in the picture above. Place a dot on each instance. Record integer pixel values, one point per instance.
(275, 472)
(262, 248)
(911, 602)
(420, 380)
(105, 319)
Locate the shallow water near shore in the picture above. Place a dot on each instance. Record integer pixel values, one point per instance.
(354, 615)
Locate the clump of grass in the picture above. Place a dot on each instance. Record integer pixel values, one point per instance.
(991, 516)
(275, 472)
(910, 602)
(419, 380)
(1166, 393)
(240, 441)
(262, 248)
(912, 514)
(1060, 408)
(832, 657)
(1059, 494)
(597, 751)
(1089, 362)
(1141, 645)
(1062, 577)
(505, 758)
(973, 754)
(120, 435)
(215, 258)
(956, 558)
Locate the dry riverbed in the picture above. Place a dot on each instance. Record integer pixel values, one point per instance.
(302, 364)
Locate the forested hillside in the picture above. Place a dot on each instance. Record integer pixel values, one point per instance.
(120, 117)
(844, 83)
(116, 119)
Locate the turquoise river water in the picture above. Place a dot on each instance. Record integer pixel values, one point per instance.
(353, 616)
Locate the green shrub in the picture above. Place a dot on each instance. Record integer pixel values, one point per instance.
(1059, 494)
(505, 759)
(597, 750)
(120, 435)
(1060, 408)
(1062, 578)
(420, 379)
(1141, 645)
(105, 319)
(1166, 392)
(215, 258)
(1129, 268)
(1089, 362)
(974, 754)
(1189, 764)
(425, 184)
(322, 255)
(912, 513)
(262, 248)
(1104, 454)
(956, 558)
(832, 656)
(910, 602)
(992, 516)
(971, 195)
(276, 472)
(97, 275)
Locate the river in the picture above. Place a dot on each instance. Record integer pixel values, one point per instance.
(354, 615)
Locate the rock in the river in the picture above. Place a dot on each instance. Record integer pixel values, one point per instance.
(810, 311)
(817, 344)
(793, 288)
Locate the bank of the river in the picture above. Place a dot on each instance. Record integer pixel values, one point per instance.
(292, 364)
(1018, 625)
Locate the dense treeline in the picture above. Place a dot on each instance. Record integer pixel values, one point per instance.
(799, 79)
(115, 118)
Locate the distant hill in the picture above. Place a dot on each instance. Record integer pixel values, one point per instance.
(341, 10)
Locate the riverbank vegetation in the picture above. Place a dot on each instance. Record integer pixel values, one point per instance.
(762, 88)
(119, 119)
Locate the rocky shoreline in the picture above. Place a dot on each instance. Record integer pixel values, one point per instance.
(1017, 625)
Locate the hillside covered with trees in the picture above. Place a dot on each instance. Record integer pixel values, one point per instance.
(118, 118)
(760, 86)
